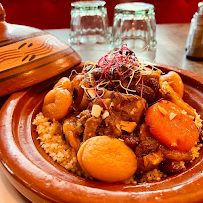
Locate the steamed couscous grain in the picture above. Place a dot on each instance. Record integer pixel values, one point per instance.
(195, 151)
(52, 141)
(155, 175)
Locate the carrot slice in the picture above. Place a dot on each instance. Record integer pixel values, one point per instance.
(168, 124)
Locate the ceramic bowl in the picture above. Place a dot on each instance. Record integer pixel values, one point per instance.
(40, 179)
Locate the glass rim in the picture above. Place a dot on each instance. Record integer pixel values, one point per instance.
(88, 4)
(135, 8)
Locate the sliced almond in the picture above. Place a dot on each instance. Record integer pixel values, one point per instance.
(184, 112)
(162, 110)
(105, 114)
(96, 110)
(128, 126)
(118, 126)
(172, 115)
(91, 93)
(174, 144)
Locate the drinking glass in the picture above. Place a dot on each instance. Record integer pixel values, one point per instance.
(89, 29)
(135, 25)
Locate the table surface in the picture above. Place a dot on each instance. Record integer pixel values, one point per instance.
(171, 40)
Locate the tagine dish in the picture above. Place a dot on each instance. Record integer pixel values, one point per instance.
(116, 130)
(120, 121)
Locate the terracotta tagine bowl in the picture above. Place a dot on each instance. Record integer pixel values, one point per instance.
(40, 179)
(29, 56)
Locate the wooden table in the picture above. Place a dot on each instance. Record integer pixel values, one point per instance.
(171, 40)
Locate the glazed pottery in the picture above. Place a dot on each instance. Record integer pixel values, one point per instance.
(30, 55)
(40, 179)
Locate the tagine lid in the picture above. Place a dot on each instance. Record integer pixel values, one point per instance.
(30, 55)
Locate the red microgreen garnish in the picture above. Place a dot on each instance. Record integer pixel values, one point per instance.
(112, 61)
(122, 63)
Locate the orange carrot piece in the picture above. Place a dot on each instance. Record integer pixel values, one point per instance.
(177, 131)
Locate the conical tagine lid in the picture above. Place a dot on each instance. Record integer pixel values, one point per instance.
(29, 56)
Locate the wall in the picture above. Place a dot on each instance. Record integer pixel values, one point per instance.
(45, 14)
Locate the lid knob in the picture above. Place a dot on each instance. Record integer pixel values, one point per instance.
(2, 13)
(200, 8)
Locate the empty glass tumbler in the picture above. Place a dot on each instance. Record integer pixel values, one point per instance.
(135, 25)
(89, 29)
